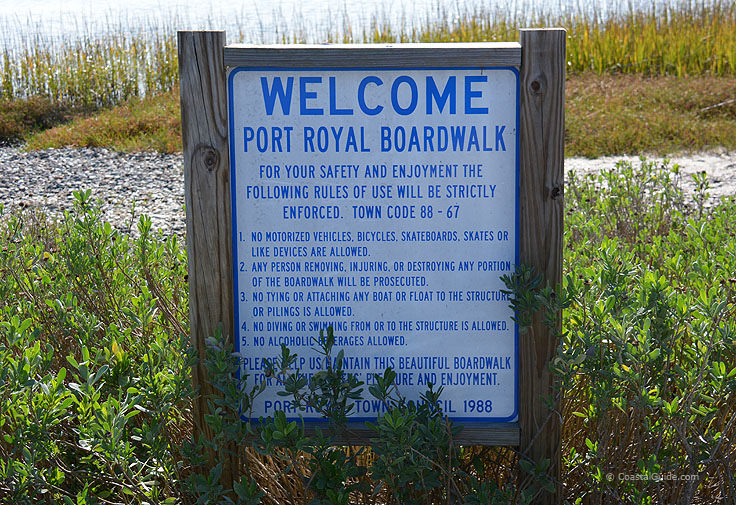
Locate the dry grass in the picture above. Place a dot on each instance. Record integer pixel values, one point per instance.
(18, 118)
(606, 115)
(632, 114)
(140, 124)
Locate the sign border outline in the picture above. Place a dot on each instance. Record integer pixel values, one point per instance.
(232, 72)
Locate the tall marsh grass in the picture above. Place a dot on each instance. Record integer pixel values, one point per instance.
(696, 37)
(91, 72)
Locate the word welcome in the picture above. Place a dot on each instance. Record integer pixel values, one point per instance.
(312, 88)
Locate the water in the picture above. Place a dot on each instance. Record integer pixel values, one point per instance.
(255, 21)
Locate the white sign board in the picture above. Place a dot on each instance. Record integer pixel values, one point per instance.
(383, 202)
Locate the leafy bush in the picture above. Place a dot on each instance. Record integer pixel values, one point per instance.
(647, 359)
(94, 387)
(95, 395)
(412, 459)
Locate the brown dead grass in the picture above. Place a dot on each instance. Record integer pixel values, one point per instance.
(632, 114)
(605, 115)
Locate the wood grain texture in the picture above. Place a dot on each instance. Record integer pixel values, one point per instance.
(542, 97)
(207, 197)
(481, 54)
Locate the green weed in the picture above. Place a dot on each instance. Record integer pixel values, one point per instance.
(140, 124)
(633, 114)
(18, 118)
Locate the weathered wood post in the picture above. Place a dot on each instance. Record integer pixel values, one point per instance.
(542, 102)
(207, 197)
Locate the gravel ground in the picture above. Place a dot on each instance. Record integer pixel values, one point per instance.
(155, 182)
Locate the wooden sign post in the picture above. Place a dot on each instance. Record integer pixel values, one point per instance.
(397, 183)
(542, 209)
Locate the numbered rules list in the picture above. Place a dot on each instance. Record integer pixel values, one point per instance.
(384, 203)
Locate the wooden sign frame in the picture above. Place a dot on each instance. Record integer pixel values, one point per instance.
(540, 58)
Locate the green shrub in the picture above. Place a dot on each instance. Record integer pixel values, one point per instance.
(95, 394)
(94, 387)
(647, 358)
